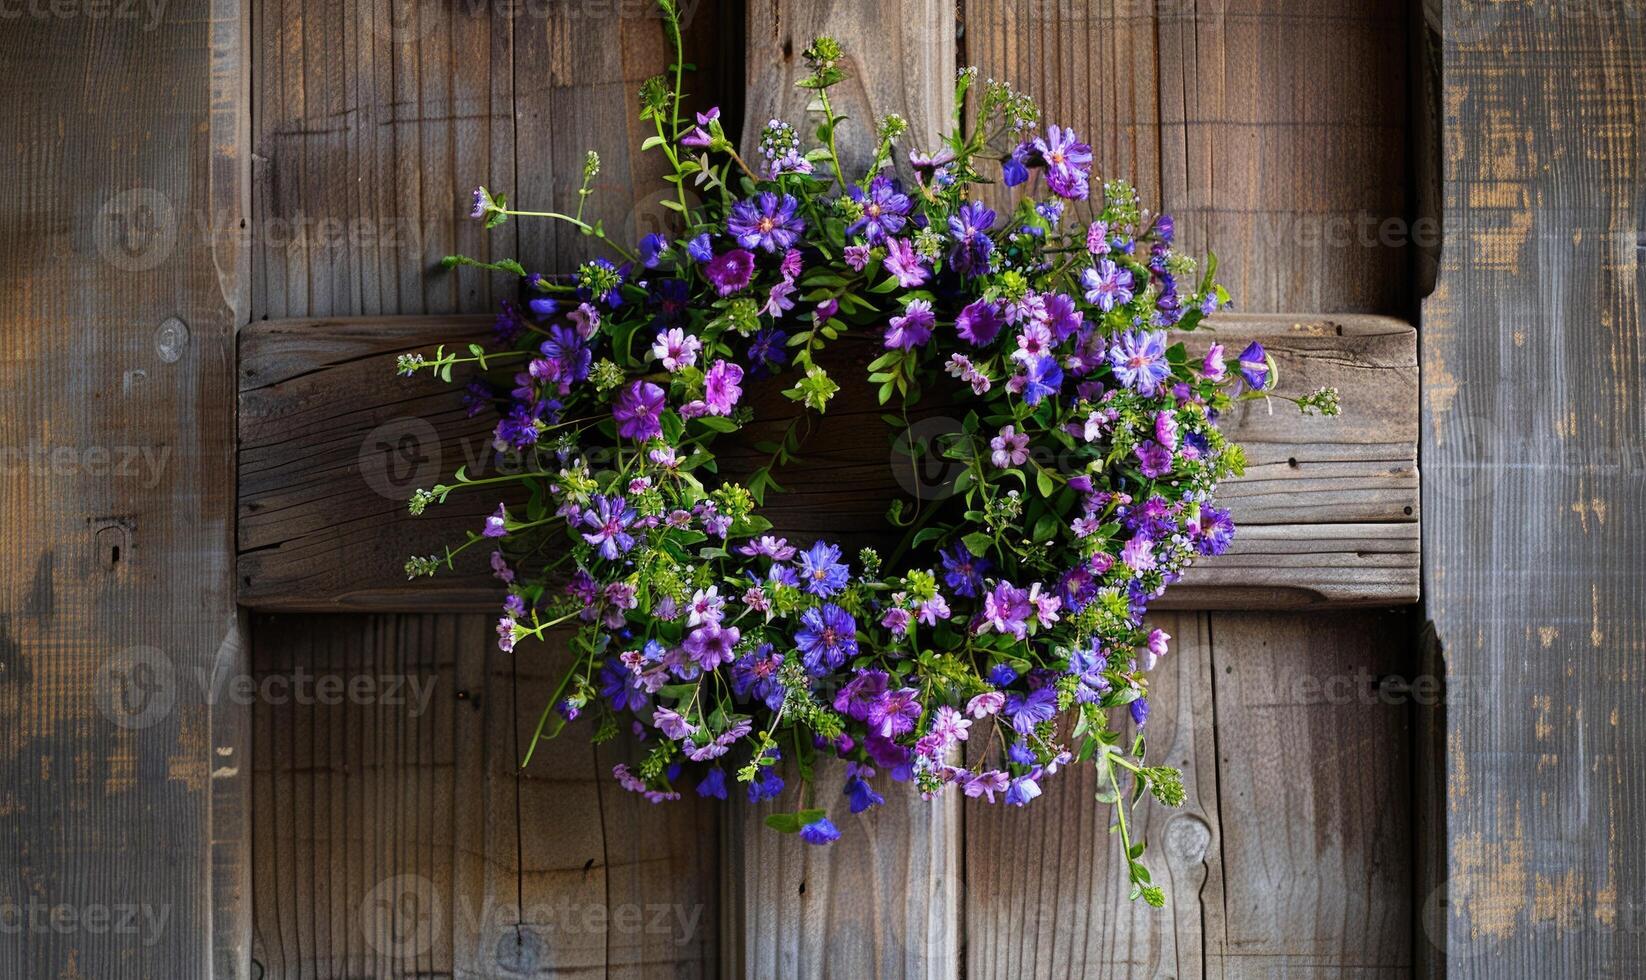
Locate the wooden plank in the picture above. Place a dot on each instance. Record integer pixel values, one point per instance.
(1046, 886)
(900, 57)
(116, 607)
(1532, 385)
(376, 119)
(332, 444)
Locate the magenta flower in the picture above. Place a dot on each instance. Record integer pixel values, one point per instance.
(638, 411)
(894, 712)
(1213, 366)
(903, 262)
(1153, 459)
(710, 645)
(720, 387)
(730, 271)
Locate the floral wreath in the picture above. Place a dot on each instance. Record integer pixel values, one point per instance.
(990, 653)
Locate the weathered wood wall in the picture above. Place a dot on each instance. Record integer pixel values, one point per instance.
(1277, 161)
(121, 187)
(1534, 431)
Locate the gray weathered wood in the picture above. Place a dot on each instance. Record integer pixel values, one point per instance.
(1533, 427)
(121, 189)
(332, 443)
(373, 122)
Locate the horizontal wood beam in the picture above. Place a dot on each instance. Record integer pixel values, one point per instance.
(332, 443)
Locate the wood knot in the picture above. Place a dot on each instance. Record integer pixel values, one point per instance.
(1187, 838)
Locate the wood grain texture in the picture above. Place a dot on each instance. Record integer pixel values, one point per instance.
(397, 835)
(117, 488)
(332, 444)
(1273, 130)
(374, 121)
(1290, 857)
(1533, 427)
(900, 58)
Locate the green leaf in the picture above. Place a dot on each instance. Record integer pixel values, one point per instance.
(977, 543)
(1043, 482)
(717, 423)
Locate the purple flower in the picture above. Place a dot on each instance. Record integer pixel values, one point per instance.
(861, 794)
(894, 712)
(1153, 459)
(1139, 360)
(730, 271)
(1107, 286)
(827, 636)
(1097, 238)
(1213, 366)
(1029, 710)
(1138, 554)
(651, 249)
(978, 323)
(638, 411)
(610, 517)
(819, 831)
(712, 784)
(1068, 162)
(963, 571)
(497, 524)
(885, 209)
(710, 645)
(768, 351)
(1254, 366)
(1009, 448)
(1140, 711)
(903, 262)
(1063, 317)
(1023, 788)
(766, 786)
(720, 387)
(570, 350)
(1014, 169)
(676, 348)
(821, 570)
(854, 699)
(913, 328)
(768, 221)
(700, 138)
(970, 229)
(1044, 377)
(1216, 530)
(1006, 610)
(700, 249)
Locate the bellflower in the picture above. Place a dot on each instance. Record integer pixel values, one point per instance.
(767, 222)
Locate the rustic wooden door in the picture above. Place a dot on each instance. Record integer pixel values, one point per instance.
(373, 817)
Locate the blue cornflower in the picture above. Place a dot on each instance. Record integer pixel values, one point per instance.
(1045, 377)
(610, 517)
(1139, 360)
(827, 636)
(962, 570)
(768, 222)
(1029, 710)
(970, 229)
(885, 209)
(821, 570)
(1108, 285)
